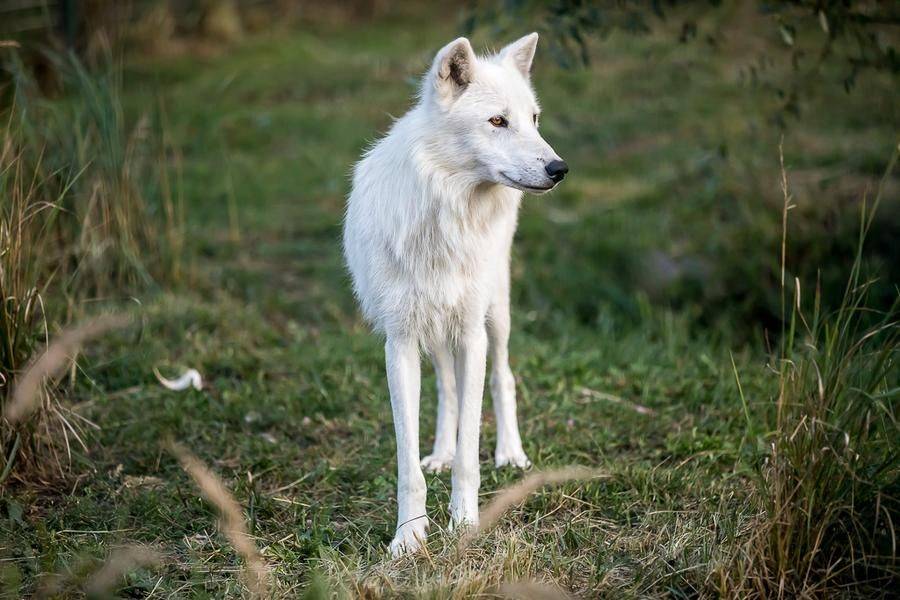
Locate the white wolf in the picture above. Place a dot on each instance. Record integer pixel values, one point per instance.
(427, 236)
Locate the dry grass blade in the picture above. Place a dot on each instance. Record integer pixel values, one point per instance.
(231, 519)
(120, 562)
(54, 361)
(599, 395)
(530, 590)
(514, 494)
(97, 581)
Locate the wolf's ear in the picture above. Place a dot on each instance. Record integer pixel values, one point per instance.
(454, 67)
(520, 53)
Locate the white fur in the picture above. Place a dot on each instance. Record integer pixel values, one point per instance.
(429, 224)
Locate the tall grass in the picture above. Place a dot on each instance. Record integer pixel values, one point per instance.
(87, 213)
(123, 226)
(828, 488)
(22, 239)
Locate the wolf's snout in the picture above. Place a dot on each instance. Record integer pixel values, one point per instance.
(556, 170)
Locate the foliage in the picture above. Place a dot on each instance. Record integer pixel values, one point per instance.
(854, 35)
(708, 122)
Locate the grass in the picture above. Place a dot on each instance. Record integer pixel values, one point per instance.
(87, 216)
(21, 237)
(635, 286)
(827, 484)
(111, 218)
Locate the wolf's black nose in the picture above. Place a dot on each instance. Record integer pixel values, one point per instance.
(556, 170)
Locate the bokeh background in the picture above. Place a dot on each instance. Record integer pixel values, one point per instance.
(188, 161)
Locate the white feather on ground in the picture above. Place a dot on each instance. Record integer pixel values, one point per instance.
(190, 378)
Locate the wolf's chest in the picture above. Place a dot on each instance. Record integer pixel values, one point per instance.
(450, 252)
(447, 267)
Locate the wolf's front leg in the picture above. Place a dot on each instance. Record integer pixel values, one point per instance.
(470, 368)
(404, 380)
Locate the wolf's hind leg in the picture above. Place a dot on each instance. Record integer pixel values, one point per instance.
(441, 456)
(503, 384)
(471, 357)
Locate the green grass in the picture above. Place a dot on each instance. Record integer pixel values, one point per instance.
(674, 170)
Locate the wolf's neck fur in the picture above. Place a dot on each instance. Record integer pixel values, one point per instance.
(445, 175)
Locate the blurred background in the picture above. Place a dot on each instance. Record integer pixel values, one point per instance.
(670, 113)
(192, 157)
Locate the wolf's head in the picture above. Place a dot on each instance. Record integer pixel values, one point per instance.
(485, 115)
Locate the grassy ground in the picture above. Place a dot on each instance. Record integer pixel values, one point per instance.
(295, 415)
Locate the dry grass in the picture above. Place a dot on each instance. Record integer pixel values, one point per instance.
(53, 362)
(98, 580)
(231, 520)
(515, 494)
(26, 208)
(87, 211)
(523, 590)
(21, 239)
(527, 557)
(115, 224)
(34, 390)
(827, 487)
(119, 563)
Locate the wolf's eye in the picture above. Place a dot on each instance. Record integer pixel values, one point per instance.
(534, 118)
(498, 121)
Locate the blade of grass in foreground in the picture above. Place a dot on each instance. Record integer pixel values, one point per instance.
(231, 522)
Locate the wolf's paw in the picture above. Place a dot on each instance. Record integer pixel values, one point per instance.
(511, 458)
(410, 537)
(437, 462)
(463, 514)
